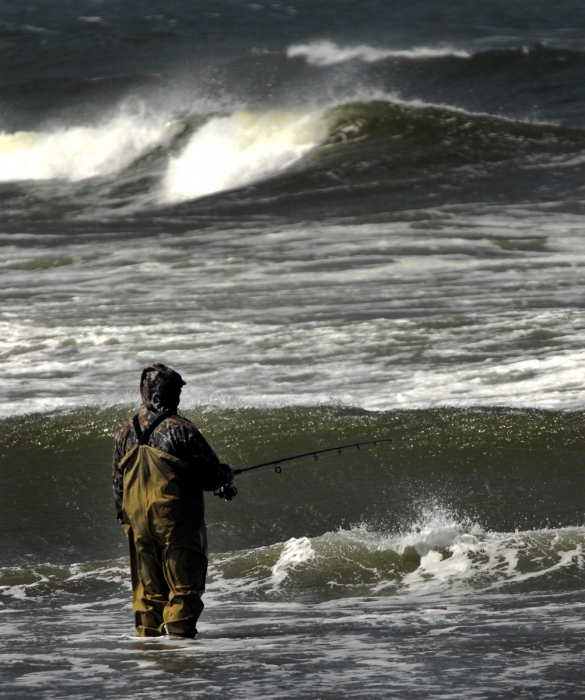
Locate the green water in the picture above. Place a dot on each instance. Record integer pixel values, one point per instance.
(502, 469)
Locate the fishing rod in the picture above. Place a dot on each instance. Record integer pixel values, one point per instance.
(229, 490)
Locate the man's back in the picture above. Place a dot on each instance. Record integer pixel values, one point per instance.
(177, 436)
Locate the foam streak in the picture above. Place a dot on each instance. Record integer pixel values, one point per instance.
(326, 53)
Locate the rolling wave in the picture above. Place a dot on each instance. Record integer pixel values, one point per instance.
(445, 557)
(200, 154)
(435, 557)
(430, 124)
(445, 472)
(79, 153)
(243, 147)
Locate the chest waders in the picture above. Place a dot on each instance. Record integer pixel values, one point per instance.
(164, 521)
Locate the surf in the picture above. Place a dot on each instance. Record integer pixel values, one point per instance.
(171, 158)
(74, 153)
(240, 148)
(441, 555)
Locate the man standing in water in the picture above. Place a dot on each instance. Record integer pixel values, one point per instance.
(161, 466)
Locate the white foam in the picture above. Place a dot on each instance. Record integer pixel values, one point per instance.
(80, 152)
(235, 150)
(327, 53)
(295, 552)
(458, 556)
(455, 558)
(273, 329)
(439, 531)
(48, 578)
(489, 561)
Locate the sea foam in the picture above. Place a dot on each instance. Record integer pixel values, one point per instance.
(295, 551)
(327, 53)
(231, 151)
(440, 556)
(79, 152)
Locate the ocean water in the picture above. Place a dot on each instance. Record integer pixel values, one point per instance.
(338, 221)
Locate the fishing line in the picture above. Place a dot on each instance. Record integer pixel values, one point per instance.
(314, 453)
(491, 447)
(229, 490)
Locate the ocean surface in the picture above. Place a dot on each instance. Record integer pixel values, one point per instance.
(339, 221)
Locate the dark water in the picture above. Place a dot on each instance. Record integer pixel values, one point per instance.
(338, 221)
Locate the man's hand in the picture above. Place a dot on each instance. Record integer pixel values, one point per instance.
(231, 472)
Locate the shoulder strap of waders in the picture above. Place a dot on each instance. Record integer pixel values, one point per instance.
(144, 437)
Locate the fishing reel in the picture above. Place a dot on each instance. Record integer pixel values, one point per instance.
(227, 492)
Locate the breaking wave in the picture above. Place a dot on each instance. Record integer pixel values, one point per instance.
(441, 556)
(202, 154)
(81, 152)
(231, 151)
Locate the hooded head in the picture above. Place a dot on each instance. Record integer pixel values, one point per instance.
(160, 387)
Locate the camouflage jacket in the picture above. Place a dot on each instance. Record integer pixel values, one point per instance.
(180, 438)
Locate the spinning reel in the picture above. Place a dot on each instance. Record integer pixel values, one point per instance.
(228, 491)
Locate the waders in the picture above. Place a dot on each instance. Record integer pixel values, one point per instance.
(164, 521)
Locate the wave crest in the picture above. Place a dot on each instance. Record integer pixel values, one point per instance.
(446, 557)
(327, 53)
(235, 150)
(78, 153)
(440, 557)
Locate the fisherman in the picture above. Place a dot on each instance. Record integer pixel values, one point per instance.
(162, 464)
